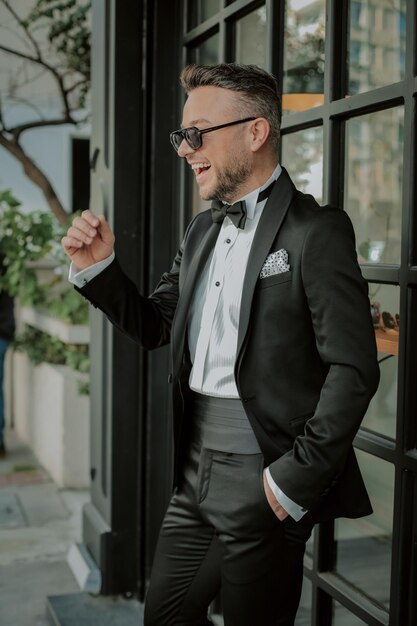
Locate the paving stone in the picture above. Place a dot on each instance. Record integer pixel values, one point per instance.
(11, 513)
(81, 609)
(24, 587)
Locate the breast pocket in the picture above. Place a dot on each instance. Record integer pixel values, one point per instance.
(275, 279)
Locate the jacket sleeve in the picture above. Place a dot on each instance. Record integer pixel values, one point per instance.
(337, 296)
(145, 320)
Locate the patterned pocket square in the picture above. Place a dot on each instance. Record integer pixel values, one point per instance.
(276, 263)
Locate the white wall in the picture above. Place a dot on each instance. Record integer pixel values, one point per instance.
(53, 419)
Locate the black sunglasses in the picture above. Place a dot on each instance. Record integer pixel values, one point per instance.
(192, 135)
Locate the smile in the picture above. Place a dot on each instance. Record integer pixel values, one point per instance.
(199, 168)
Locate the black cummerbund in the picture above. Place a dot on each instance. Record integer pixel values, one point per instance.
(222, 424)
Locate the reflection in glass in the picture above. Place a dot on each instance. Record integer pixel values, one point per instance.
(373, 181)
(250, 37)
(343, 617)
(302, 156)
(376, 45)
(385, 303)
(304, 610)
(364, 545)
(303, 85)
(207, 53)
(201, 10)
(310, 545)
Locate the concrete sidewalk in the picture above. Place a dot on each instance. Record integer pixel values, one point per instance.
(38, 524)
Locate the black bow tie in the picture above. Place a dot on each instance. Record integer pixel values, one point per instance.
(237, 211)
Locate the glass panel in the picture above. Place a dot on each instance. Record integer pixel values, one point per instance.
(310, 545)
(200, 10)
(376, 44)
(373, 181)
(302, 155)
(303, 85)
(250, 38)
(385, 304)
(304, 610)
(364, 545)
(343, 617)
(207, 53)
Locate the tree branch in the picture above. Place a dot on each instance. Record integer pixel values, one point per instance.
(28, 57)
(18, 130)
(28, 81)
(26, 103)
(75, 85)
(36, 175)
(51, 69)
(23, 25)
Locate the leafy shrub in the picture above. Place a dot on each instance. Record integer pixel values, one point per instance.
(27, 239)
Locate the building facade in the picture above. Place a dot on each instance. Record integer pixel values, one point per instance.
(347, 70)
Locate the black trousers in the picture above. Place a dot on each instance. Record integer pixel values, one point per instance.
(219, 533)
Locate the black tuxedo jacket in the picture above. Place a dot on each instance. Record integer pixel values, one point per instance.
(306, 364)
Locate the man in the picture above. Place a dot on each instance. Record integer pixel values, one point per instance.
(273, 360)
(7, 327)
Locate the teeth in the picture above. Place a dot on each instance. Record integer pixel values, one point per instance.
(199, 166)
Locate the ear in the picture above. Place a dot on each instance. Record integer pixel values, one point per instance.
(259, 133)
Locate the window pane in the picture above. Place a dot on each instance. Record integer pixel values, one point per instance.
(385, 304)
(303, 85)
(364, 545)
(304, 610)
(343, 617)
(201, 10)
(376, 44)
(250, 40)
(310, 545)
(302, 155)
(207, 53)
(373, 183)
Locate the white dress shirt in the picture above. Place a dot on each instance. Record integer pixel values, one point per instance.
(214, 314)
(215, 308)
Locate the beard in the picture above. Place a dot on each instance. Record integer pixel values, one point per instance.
(230, 179)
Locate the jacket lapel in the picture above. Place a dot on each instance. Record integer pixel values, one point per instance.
(196, 266)
(269, 224)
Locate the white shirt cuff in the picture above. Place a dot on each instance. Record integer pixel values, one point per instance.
(80, 278)
(292, 508)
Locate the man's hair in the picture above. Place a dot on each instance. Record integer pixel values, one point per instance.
(257, 88)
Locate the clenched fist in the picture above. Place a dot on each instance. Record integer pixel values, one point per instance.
(88, 240)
